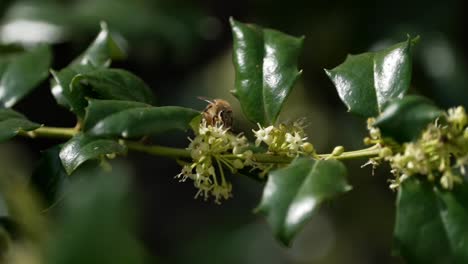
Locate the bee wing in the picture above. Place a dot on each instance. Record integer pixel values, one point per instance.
(206, 99)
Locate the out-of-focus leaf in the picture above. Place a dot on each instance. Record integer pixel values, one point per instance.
(82, 148)
(404, 119)
(49, 176)
(146, 121)
(20, 74)
(367, 82)
(100, 109)
(265, 62)
(292, 194)
(115, 84)
(102, 50)
(11, 122)
(96, 224)
(431, 223)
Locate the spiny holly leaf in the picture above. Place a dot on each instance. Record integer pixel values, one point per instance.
(404, 119)
(113, 84)
(292, 194)
(82, 148)
(100, 109)
(21, 73)
(431, 223)
(367, 82)
(102, 50)
(11, 122)
(144, 121)
(265, 62)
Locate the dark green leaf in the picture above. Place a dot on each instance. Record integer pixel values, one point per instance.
(114, 84)
(49, 177)
(292, 194)
(82, 148)
(74, 100)
(100, 109)
(11, 122)
(265, 63)
(20, 74)
(102, 50)
(431, 223)
(144, 121)
(96, 224)
(404, 119)
(368, 81)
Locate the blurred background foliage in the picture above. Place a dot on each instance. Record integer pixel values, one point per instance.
(182, 49)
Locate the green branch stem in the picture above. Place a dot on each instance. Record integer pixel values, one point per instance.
(181, 153)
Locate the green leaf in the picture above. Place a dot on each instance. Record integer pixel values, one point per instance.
(21, 73)
(96, 224)
(100, 109)
(82, 148)
(49, 176)
(102, 50)
(367, 82)
(11, 122)
(431, 223)
(292, 194)
(405, 119)
(144, 121)
(265, 62)
(113, 84)
(74, 100)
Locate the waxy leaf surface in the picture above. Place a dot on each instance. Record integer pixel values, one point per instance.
(144, 121)
(292, 194)
(265, 62)
(367, 82)
(11, 122)
(405, 119)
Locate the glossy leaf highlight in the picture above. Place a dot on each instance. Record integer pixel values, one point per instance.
(292, 194)
(144, 121)
(11, 122)
(367, 82)
(82, 148)
(20, 74)
(405, 119)
(265, 62)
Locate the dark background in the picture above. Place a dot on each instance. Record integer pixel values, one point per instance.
(182, 49)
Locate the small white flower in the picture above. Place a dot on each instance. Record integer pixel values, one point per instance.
(263, 135)
(294, 141)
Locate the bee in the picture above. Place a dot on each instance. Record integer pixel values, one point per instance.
(217, 112)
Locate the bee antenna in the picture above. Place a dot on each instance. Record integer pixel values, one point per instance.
(206, 99)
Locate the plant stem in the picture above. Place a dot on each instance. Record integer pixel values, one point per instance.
(180, 153)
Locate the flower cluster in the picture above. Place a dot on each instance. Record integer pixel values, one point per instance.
(210, 150)
(289, 140)
(441, 152)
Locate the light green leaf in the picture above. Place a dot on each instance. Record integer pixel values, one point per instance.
(265, 62)
(292, 194)
(11, 122)
(102, 50)
(431, 223)
(82, 148)
(100, 109)
(21, 73)
(115, 84)
(405, 119)
(144, 121)
(367, 82)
